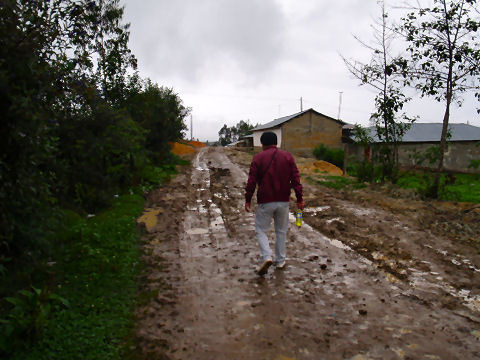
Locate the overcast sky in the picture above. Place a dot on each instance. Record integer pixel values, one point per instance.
(232, 60)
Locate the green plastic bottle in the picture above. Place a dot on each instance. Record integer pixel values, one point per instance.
(298, 218)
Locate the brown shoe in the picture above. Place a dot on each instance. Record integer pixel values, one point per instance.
(263, 269)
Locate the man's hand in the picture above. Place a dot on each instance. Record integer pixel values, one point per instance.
(301, 205)
(247, 206)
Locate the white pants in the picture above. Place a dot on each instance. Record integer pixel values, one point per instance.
(265, 212)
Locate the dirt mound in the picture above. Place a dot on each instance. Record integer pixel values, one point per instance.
(320, 166)
(185, 147)
(182, 149)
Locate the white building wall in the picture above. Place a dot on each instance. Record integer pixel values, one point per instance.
(257, 134)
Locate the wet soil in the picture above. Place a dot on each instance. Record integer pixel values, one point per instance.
(370, 274)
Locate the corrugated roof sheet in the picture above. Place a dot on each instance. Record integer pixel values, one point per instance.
(280, 121)
(431, 132)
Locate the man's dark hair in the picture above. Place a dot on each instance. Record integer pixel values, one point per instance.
(268, 138)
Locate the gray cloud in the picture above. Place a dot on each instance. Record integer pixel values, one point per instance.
(253, 59)
(193, 39)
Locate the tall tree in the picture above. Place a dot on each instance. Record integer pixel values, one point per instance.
(225, 135)
(382, 74)
(161, 113)
(242, 128)
(30, 83)
(231, 134)
(444, 62)
(49, 97)
(111, 44)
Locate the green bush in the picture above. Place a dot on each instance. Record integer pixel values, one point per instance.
(153, 176)
(27, 318)
(422, 182)
(75, 131)
(474, 164)
(95, 273)
(98, 156)
(333, 156)
(453, 187)
(365, 171)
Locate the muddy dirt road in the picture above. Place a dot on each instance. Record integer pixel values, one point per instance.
(368, 276)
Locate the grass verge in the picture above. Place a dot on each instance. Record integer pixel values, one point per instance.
(80, 306)
(337, 182)
(455, 187)
(96, 278)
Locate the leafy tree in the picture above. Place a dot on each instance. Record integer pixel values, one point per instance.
(444, 61)
(97, 141)
(160, 112)
(382, 74)
(111, 44)
(227, 135)
(98, 161)
(365, 169)
(28, 86)
(243, 128)
(76, 128)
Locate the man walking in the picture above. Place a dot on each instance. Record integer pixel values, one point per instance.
(275, 172)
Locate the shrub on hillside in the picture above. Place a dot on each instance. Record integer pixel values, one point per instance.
(333, 156)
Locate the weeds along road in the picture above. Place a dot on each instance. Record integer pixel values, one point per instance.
(203, 300)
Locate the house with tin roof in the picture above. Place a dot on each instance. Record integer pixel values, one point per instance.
(463, 145)
(299, 133)
(431, 133)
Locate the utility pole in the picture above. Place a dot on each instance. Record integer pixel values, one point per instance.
(301, 104)
(344, 145)
(191, 127)
(339, 104)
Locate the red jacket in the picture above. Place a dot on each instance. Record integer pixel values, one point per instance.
(281, 177)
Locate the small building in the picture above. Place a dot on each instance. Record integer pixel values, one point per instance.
(301, 132)
(238, 143)
(463, 145)
(248, 139)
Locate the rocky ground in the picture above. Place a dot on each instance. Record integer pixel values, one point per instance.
(370, 275)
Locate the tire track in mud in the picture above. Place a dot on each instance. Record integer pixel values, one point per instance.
(402, 251)
(328, 303)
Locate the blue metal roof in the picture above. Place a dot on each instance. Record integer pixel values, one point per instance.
(432, 132)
